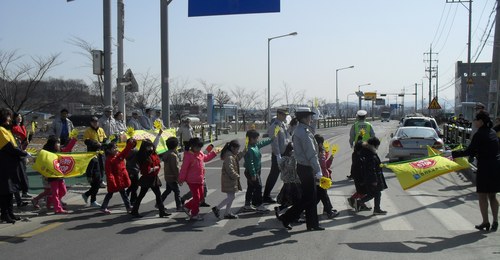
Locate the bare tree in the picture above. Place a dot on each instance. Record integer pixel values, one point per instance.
(177, 99)
(292, 97)
(247, 102)
(19, 80)
(149, 92)
(86, 51)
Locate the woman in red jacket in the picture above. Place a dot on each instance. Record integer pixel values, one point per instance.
(116, 173)
(149, 163)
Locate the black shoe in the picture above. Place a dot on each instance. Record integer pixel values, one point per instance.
(268, 200)
(332, 214)
(135, 214)
(351, 202)
(484, 226)
(318, 228)
(494, 226)
(22, 204)
(363, 207)
(164, 214)
(380, 212)
(216, 212)
(7, 219)
(357, 205)
(230, 216)
(14, 217)
(277, 212)
(285, 223)
(204, 204)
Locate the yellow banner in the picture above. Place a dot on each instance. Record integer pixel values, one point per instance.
(151, 135)
(462, 161)
(62, 165)
(415, 172)
(6, 137)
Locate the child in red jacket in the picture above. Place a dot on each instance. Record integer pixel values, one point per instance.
(116, 174)
(193, 173)
(149, 164)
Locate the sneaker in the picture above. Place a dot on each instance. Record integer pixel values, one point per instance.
(62, 212)
(261, 208)
(351, 202)
(95, 204)
(187, 211)
(106, 211)
(216, 212)
(268, 200)
(26, 195)
(197, 218)
(230, 216)
(379, 212)
(357, 205)
(363, 207)
(248, 208)
(103, 184)
(22, 204)
(332, 214)
(35, 204)
(85, 198)
(204, 204)
(129, 209)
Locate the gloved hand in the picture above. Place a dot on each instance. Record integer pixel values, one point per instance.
(318, 175)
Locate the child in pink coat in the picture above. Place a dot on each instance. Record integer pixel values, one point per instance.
(193, 173)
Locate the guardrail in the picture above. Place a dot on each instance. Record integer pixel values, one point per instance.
(454, 134)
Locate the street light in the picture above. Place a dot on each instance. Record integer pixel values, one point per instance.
(337, 87)
(269, 72)
(360, 94)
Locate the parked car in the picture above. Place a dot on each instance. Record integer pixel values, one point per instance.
(424, 122)
(411, 142)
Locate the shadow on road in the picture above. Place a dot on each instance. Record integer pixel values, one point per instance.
(443, 243)
(275, 238)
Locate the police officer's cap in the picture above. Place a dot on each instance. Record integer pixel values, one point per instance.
(361, 113)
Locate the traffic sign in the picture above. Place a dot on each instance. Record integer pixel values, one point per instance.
(434, 104)
(370, 95)
(223, 7)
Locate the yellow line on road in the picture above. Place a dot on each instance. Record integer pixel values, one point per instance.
(32, 233)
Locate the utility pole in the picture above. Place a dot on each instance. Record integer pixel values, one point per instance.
(416, 97)
(108, 99)
(495, 68)
(431, 70)
(165, 93)
(120, 89)
(470, 82)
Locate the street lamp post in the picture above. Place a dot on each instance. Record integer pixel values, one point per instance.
(337, 88)
(360, 94)
(269, 72)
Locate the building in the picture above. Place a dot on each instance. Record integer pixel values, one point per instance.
(478, 91)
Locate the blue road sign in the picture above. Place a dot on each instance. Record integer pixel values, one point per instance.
(223, 7)
(394, 106)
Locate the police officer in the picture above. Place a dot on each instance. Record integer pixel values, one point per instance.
(278, 148)
(358, 126)
(308, 170)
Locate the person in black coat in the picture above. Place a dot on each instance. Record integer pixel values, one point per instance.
(10, 175)
(484, 145)
(372, 177)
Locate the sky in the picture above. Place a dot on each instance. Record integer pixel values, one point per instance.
(384, 40)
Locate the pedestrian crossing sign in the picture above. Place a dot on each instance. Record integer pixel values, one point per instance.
(434, 104)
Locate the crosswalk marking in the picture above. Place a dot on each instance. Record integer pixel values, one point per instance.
(347, 219)
(446, 216)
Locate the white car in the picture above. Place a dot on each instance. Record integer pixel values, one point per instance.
(411, 142)
(424, 122)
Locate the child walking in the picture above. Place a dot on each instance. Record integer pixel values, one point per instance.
(290, 192)
(116, 174)
(149, 163)
(230, 177)
(94, 173)
(171, 172)
(57, 185)
(325, 161)
(253, 196)
(193, 173)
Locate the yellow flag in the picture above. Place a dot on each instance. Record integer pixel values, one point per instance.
(325, 183)
(62, 165)
(150, 135)
(157, 124)
(462, 161)
(246, 142)
(335, 149)
(6, 137)
(326, 145)
(73, 133)
(415, 172)
(130, 132)
(276, 131)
